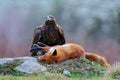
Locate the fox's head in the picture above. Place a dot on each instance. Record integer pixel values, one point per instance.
(50, 57)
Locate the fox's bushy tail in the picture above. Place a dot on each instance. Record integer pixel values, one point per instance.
(97, 58)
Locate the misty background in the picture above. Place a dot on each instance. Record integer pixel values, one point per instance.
(94, 24)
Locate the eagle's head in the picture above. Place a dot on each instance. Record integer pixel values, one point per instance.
(50, 20)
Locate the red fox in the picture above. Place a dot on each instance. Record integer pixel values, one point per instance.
(64, 52)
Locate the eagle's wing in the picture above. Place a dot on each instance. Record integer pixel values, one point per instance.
(37, 34)
(62, 37)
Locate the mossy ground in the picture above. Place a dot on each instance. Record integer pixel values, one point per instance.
(40, 76)
(80, 69)
(9, 68)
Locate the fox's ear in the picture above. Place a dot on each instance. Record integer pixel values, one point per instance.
(55, 52)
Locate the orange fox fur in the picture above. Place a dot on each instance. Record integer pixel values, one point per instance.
(61, 53)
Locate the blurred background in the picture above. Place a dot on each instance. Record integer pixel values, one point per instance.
(94, 24)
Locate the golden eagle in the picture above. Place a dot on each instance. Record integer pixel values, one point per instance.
(49, 33)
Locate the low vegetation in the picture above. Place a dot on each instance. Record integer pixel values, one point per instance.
(79, 69)
(9, 68)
